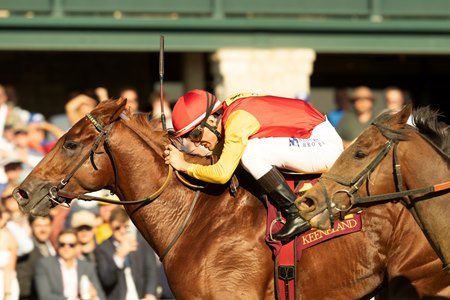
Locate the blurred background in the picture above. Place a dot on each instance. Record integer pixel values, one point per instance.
(295, 48)
(350, 58)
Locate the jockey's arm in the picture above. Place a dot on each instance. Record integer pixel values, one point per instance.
(239, 127)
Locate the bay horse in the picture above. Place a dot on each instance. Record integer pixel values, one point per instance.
(392, 160)
(222, 253)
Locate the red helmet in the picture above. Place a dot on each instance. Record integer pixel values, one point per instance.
(190, 110)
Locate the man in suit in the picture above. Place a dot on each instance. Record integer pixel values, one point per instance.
(65, 277)
(126, 265)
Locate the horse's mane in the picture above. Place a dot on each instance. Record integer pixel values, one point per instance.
(140, 118)
(427, 122)
(152, 128)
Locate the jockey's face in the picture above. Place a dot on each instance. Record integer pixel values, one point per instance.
(209, 139)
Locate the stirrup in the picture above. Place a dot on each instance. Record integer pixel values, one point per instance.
(278, 219)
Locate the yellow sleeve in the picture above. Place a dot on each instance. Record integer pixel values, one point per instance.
(239, 126)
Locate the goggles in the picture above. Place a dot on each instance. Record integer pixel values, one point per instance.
(196, 134)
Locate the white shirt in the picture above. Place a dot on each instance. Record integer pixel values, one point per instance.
(3, 115)
(24, 242)
(70, 279)
(132, 293)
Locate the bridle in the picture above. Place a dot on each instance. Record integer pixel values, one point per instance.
(357, 181)
(58, 196)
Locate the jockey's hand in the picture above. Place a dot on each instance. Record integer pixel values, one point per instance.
(175, 157)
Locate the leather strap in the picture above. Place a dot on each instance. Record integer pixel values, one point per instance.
(286, 271)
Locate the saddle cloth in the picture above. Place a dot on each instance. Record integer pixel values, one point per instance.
(351, 223)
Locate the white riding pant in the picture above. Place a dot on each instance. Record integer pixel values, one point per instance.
(315, 154)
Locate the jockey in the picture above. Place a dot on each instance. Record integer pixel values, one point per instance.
(261, 132)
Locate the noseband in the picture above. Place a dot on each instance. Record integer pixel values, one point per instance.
(356, 182)
(60, 197)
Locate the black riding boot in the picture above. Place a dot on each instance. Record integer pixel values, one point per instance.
(279, 191)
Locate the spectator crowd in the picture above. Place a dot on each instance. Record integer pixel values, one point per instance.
(92, 250)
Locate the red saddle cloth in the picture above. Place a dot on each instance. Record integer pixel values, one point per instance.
(287, 254)
(351, 223)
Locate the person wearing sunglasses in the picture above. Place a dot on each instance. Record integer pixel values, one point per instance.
(59, 277)
(260, 132)
(126, 265)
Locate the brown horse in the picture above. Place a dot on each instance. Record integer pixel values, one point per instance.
(392, 160)
(222, 252)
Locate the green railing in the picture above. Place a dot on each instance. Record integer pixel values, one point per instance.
(138, 6)
(21, 6)
(296, 7)
(415, 8)
(232, 8)
(328, 26)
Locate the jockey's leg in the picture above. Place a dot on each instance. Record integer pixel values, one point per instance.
(315, 154)
(312, 155)
(280, 192)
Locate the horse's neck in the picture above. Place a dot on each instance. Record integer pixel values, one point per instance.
(157, 220)
(141, 172)
(160, 220)
(141, 175)
(424, 165)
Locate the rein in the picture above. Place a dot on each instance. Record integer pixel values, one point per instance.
(364, 175)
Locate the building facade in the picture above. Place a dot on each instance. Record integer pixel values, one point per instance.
(294, 48)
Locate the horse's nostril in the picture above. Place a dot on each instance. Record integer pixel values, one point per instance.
(306, 205)
(21, 196)
(308, 201)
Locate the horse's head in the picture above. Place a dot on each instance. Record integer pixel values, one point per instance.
(79, 162)
(355, 171)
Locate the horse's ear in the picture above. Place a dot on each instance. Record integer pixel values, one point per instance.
(120, 106)
(400, 118)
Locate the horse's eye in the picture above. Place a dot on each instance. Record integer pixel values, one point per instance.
(359, 154)
(69, 145)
